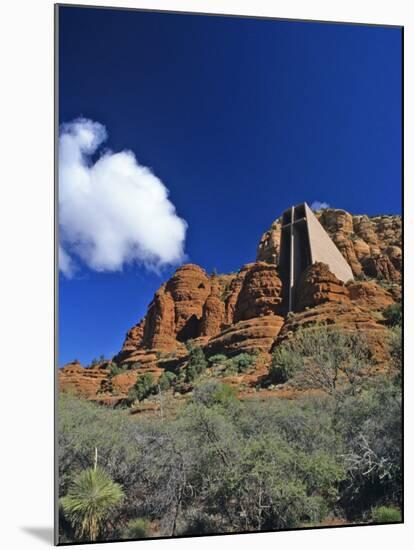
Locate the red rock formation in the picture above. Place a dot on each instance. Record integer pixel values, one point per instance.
(361, 248)
(83, 381)
(242, 312)
(319, 285)
(395, 255)
(369, 295)
(189, 288)
(336, 221)
(213, 316)
(133, 340)
(232, 293)
(345, 316)
(122, 383)
(257, 334)
(381, 267)
(173, 316)
(357, 237)
(159, 328)
(269, 245)
(260, 293)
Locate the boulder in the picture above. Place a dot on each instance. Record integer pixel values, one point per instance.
(319, 285)
(260, 293)
(257, 334)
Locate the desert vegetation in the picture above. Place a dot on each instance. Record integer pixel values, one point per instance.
(221, 465)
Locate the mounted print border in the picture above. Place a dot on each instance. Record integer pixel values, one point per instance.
(229, 288)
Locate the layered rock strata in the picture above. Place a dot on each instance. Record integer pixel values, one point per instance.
(244, 311)
(368, 243)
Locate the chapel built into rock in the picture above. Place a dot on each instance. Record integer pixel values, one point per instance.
(326, 267)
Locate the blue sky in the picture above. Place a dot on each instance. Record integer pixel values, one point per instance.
(239, 119)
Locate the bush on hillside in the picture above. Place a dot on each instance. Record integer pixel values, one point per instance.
(322, 357)
(143, 387)
(115, 369)
(167, 380)
(242, 362)
(386, 514)
(393, 314)
(137, 529)
(268, 463)
(369, 425)
(396, 351)
(217, 359)
(214, 393)
(286, 362)
(196, 364)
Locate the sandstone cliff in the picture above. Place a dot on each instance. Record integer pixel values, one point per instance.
(370, 244)
(243, 312)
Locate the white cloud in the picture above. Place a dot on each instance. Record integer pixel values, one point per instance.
(318, 205)
(113, 211)
(66, 264)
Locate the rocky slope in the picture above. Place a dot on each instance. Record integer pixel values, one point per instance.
(371, 245)
(243, 312)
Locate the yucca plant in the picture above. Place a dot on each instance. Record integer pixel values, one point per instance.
(89, 501)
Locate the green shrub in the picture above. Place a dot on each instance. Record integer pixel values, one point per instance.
(323, 357)
(393, 314)
(189, 344)
(200, 523)
(231, 368)
(166, 380)
(251, 465)
(214, 393)
(143, 387)
(285, 363)
(217, 359)
(137, 529)
(225, 395)
(370, 426)
(386, 514)
(395, 347)
(114, 369)
(196, 364)
(242, 362)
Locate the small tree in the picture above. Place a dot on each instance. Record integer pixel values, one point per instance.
(166, 380)
(242, 362)
(91, 498)
(324, 358)
(393, 314)
(285, 363)
(214, 393)
(196, 364)
(115, 369)
(143, 387)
